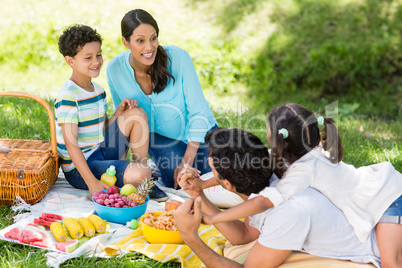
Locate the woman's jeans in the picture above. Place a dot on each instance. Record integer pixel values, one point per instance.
(167, 154)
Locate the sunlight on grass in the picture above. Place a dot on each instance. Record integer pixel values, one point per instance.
(377, 155)
(368, 141)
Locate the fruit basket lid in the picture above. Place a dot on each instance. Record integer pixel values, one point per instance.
(31, 145)
(17, 160)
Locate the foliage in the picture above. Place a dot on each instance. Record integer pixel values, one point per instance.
(325, 49)
(319, 51)
(21, 47)
(219, 66)
(32, 45)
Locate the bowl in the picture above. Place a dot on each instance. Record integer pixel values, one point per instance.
(120, 215)
(157, 236)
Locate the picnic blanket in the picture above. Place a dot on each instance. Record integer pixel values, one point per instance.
(136, 242)
(63, 199)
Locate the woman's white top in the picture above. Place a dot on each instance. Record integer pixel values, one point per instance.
(363, 194)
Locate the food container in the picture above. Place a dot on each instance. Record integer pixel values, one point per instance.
(120, 215)
(28, 168)
(157, 236)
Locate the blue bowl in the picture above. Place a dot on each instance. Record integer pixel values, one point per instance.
(120, 215)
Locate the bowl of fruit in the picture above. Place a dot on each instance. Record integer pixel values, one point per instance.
(122, 205)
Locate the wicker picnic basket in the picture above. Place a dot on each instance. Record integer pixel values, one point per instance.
(28, 167)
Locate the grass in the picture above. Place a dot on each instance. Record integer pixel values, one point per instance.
(250, 55)
(16, 255)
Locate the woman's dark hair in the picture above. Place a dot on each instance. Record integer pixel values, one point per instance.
(75, 37)
(304, 134)
(241, 158)
(158, 71)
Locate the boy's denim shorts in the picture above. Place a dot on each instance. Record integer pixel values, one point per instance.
(394, 213)
(113, 148)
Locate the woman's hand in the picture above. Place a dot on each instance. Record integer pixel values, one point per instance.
(183, 168)
(187, 162)
(127, 104)
(192, 185)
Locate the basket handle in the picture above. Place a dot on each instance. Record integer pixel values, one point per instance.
(48, 109)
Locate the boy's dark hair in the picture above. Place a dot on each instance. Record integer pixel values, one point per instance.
(75, 37)
(241, 158)
(304, 134)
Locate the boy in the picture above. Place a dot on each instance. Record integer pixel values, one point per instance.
(87, 140)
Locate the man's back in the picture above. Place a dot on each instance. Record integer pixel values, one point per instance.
(309, 222)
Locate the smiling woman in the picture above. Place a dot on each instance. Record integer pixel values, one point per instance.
(144, 49)
(164, 82)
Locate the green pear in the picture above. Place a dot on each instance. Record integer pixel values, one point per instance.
(128, 189)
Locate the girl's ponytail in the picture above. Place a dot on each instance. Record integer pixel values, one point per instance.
(331, 142)
(277, 161)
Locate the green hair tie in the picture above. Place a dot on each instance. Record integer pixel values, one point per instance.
(320, 121)
(284, 132)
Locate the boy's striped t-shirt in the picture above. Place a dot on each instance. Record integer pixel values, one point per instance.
(75, 105)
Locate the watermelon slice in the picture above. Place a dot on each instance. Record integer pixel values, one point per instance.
(71, 245)
(28, 235)
(51, 216)
(42, 222)
(37, 226)
(48, 219)
(68, 246)
(14, 233)
(46, 241)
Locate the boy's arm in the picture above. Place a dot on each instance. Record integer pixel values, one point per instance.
(211, 182)
(188, 218)
(70, 135)
(246, 209)
(194, 186)
(237, 232)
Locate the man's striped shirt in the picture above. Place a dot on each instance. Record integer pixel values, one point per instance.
(75, 105)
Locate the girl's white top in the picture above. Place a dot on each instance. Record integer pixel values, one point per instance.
(363, 194)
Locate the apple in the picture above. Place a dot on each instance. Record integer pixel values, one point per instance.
(113, 190)
(127, 189)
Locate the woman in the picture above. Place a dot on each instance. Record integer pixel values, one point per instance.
(164, 82)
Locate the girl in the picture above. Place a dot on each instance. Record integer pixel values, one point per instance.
(312, 150)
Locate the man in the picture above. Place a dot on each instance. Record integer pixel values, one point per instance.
(308, 222)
